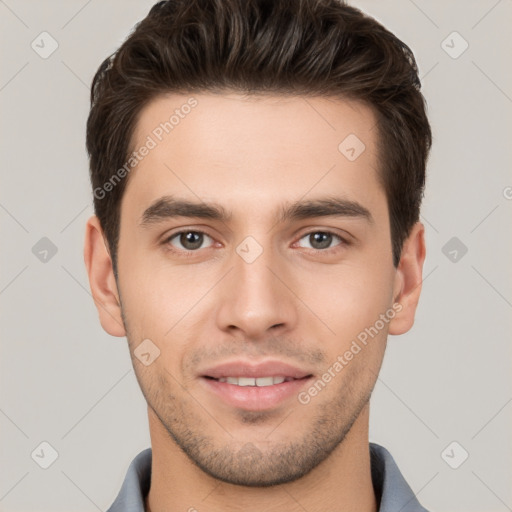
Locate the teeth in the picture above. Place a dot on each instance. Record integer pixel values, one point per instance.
(268, 381)
(252, 381)
(245, 381)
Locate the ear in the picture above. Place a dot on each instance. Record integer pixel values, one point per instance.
(101, 278)
(408, 280)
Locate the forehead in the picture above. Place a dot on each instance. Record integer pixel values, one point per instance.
(233, 116)
(242, 150)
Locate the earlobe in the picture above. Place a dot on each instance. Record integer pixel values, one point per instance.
(408, 280)
(101, 279)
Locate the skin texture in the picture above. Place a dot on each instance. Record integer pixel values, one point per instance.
(252, 155)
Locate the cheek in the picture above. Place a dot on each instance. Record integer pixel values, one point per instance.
(146, 281)
(161, 301)
(348, 298)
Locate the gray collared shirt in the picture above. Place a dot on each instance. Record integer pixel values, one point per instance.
(392, 491)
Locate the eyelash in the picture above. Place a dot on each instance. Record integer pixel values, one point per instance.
(188, 254)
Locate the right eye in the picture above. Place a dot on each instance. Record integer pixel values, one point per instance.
(188, 240)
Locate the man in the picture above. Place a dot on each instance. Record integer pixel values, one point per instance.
(257, 169)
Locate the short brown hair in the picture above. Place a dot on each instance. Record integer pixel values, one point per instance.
(299, 47)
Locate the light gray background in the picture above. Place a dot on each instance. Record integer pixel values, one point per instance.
(65, 381)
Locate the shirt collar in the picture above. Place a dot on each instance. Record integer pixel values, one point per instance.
(391, 489)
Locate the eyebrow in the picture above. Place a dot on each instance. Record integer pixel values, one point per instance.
(168, 207)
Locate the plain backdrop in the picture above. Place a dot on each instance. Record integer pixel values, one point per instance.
(445, 387)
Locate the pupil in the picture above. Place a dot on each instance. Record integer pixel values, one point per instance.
(323, 239)
(191, 240)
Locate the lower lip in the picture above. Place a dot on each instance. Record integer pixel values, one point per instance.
(255, 398)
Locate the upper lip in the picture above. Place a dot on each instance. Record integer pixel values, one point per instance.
(248, 369)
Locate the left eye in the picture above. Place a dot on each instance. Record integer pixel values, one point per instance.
(189, 240)
(320, 240)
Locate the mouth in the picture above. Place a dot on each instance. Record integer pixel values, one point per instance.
(254, 385)
(255, 393)
(256, 381)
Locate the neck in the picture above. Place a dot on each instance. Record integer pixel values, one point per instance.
(341, 482)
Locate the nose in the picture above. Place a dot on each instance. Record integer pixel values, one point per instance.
(256, 299)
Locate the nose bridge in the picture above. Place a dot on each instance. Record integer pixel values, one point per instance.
(255, 300)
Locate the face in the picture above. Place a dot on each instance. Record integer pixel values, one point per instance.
(251, 234)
